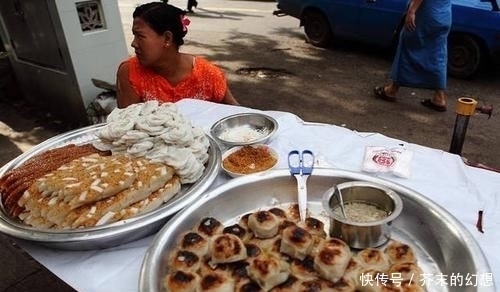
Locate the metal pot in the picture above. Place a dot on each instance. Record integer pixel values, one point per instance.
(356, 234)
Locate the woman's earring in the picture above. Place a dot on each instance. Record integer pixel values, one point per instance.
(166, 45)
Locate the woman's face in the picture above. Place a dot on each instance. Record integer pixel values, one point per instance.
(148, 45)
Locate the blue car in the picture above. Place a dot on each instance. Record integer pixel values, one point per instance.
(474, 39)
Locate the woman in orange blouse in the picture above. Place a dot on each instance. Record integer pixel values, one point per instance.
(159, 71)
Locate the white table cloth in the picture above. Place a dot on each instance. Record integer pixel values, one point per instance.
(439, 175)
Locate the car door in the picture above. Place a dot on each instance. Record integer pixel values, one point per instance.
(344, 16)
(379, 19)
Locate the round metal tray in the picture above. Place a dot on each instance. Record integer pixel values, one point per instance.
(442, 244)
(107, 235)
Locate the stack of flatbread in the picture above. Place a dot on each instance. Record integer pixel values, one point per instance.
(94, 190)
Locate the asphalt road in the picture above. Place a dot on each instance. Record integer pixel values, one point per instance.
(270, 66)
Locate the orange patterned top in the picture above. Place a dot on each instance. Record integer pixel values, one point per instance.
(206, 82)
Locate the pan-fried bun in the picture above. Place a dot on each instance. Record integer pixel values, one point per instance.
(226, 248)
(264, 224)
(180, 281)
(296, 242)
(332, 259)
(400, 252)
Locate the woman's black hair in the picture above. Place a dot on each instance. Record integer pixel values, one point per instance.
(163, 17)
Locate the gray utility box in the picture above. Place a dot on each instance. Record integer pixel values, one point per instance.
(56, 47)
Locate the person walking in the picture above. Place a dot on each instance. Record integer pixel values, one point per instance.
(421, 56)
(191, 4)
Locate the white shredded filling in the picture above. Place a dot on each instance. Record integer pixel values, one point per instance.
(89, 159)
(95, 182)
(97, 189)
(73, 185)
(83, 196)
(52, 201)
(92, 210)
(243, 133)
(26, 194)
(104, 219)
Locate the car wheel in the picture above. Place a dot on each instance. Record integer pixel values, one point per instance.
(317, 28)
(464, 56)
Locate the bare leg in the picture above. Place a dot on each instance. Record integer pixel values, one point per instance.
(391, 89)
(437, 102)
(190, 5)
(439, 97)
(386, 92)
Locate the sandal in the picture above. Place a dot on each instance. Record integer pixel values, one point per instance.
(379, 92)
(429, 104)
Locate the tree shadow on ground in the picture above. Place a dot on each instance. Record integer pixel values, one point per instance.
(9, 150)
(23, 125)
(335, 85)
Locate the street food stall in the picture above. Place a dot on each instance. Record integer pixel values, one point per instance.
(55, 48)
(449, 216)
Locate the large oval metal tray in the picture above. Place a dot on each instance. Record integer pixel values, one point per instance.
(442, 244)
(110, 234)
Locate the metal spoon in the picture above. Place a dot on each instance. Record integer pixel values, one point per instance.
(339, 194)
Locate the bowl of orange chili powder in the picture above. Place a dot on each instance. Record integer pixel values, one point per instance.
(248, 159)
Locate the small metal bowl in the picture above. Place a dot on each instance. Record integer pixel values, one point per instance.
(234, 130)
(362, 234)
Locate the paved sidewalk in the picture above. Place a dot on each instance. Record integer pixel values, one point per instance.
(21, 273)
(22, 127)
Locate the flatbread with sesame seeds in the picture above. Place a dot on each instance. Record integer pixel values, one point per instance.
(79, 194)
(87, 179)
(150, 203)
(150, 177)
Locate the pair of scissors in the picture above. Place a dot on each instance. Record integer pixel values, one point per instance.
(301, 165)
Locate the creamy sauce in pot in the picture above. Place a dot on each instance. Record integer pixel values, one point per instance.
(361, 212)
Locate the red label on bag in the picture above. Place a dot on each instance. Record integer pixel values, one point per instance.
(384, 158)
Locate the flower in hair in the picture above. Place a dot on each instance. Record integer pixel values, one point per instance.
(185, 22)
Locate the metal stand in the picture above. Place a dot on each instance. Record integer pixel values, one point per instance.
(466, 107)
